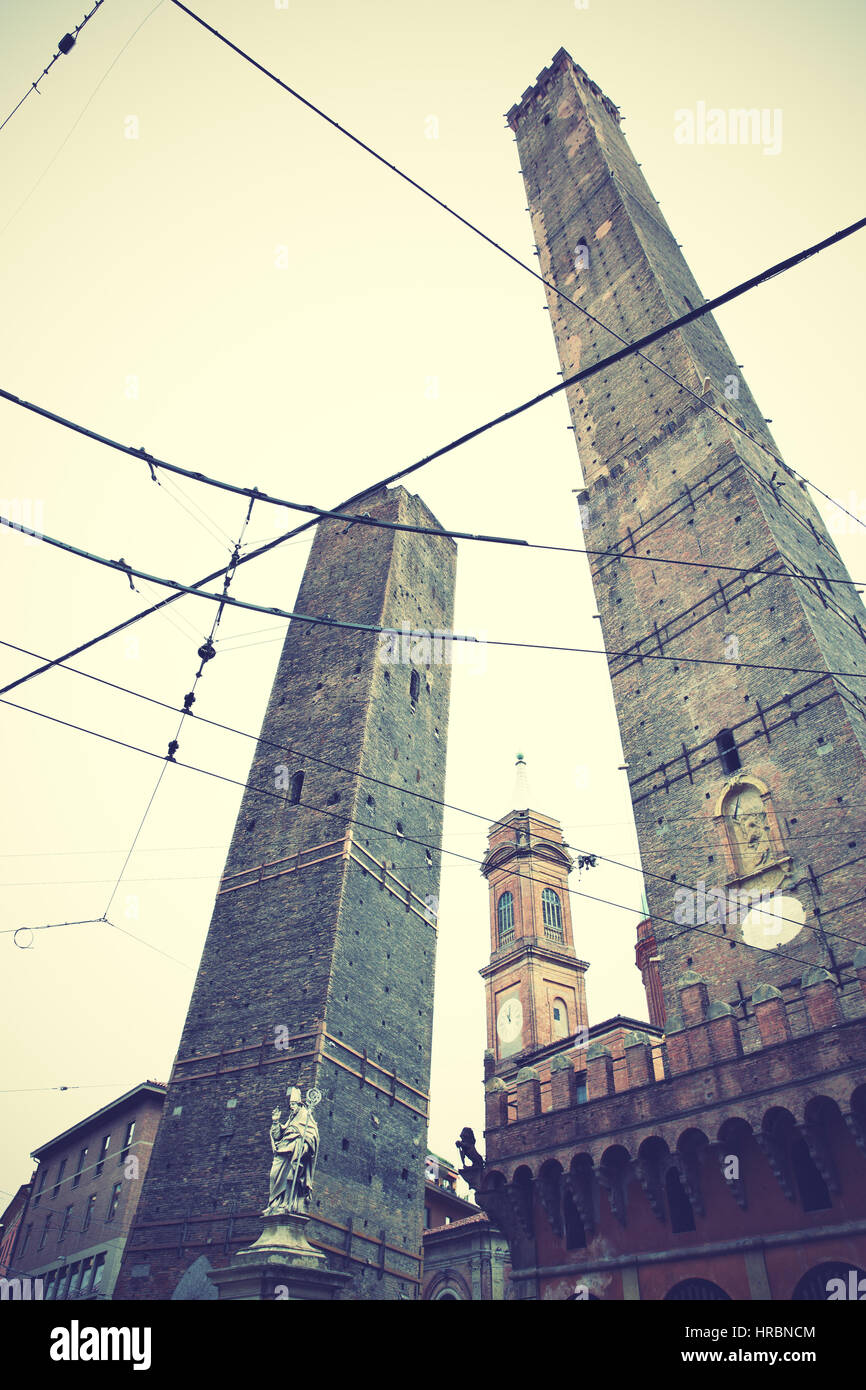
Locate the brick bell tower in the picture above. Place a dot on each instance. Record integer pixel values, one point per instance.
(318, 966)
(535, 989)
(748, 785)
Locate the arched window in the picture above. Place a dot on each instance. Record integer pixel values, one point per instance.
(505, 918)
(830, 1283)
(560, 1018)
(414, 688)
(581, 256)
(701, 1289)
(727, 746)
(682, 1216)
(551, 915)
(297, 787)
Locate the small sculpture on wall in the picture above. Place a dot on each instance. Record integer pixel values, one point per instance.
(473, 1163)
(294, 1144)
(758, 856)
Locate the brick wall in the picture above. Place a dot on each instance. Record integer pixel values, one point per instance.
(665, 477)
(319, 963)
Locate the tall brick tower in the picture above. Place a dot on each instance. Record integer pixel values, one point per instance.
(318, 966)
(746, 783)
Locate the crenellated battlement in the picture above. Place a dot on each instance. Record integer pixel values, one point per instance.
(560, 63)
(704, 1068)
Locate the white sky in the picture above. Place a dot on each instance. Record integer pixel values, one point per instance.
(156, 259)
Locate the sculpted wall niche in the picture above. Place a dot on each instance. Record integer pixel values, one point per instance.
(760, 867)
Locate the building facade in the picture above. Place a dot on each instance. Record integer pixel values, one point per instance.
(318, 967)
(83, 1196)
(465, 1257)
(731, 1163)
(9, 1223)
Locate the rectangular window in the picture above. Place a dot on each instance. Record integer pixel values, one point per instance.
(69, 1281)
(86, 1275)
(112, 1205)
(88, 1211)
(127, 1140)
(106, 1143)
(60, 1171)
(45, 1229)
(50, 1278)
(43, 1174)
(26, 1241)
(65, 1224)
(98, 1271)
(75, 1281)
(82, 1159)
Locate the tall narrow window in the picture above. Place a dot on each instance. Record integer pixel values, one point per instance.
(82, 1159)
(65, 1224)
(560, 1018)
(551, 914)
(127, 1140)
(45, 1229)
(59, 1179)
(112, 1205)
(727, 748)
(26, 1241)
(106, 1144)
(86, 1275)
(297, 787)
(42, 1176)
(505, 919)
(98, 1271)
(88, 1211)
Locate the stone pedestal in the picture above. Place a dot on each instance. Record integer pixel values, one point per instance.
(280, 1265)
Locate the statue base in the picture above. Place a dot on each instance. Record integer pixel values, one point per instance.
(280, 1265)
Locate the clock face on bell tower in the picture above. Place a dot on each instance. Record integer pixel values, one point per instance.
(509, 1026)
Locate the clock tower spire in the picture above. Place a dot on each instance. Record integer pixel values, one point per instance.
(536, 998)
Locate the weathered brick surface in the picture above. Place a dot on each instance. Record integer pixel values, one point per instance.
(665, 477)
(323, 957)
(744, 1166)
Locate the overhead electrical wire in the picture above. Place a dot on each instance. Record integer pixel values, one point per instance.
(206, 653)
(26, 199)
(361, 519)
(267, 791)
(64, 47)
(376, 781)
(351, 820)
(524, 265)
(627, 351)
(122, 567)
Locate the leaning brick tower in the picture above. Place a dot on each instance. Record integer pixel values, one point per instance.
(748, 785)
(318, 966)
